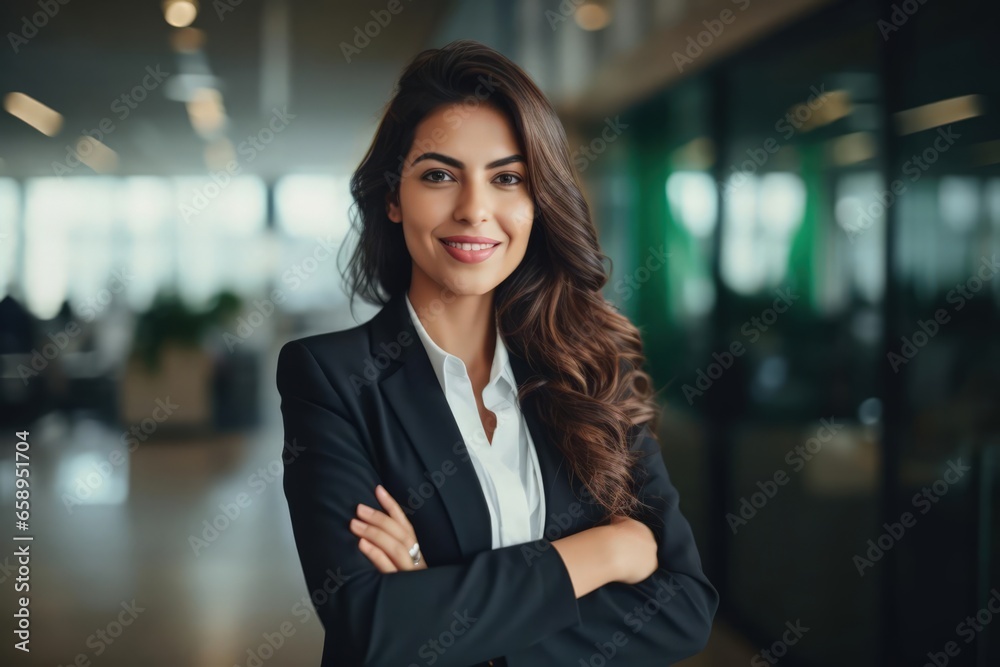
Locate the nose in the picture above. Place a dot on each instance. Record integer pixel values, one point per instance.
(473, 205)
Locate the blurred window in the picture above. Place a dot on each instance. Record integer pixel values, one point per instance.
(68, 224)
(763, 215)
(146, 205)
(220, 237)
(312, 213)
(693, 201)
(151, 233)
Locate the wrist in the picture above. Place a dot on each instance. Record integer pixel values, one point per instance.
(612, 542)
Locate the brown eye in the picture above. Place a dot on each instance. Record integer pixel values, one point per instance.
(508, 179)
(437, 176)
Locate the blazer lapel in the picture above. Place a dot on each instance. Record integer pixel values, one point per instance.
(412, 390)
(415, 395)
(550, 459)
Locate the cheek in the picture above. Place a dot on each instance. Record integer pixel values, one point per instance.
(519, 218)
(423, 207)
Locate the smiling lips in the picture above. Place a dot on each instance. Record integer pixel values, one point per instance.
(470, 249)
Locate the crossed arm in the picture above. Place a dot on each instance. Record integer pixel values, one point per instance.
(506, 601)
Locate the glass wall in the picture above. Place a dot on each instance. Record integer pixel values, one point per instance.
(824, 328)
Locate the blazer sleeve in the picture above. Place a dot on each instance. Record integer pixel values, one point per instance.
(496, 602)
(666, 617)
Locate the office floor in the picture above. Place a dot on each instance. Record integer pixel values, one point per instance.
(119, 578)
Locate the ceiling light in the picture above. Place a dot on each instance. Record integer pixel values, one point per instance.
(34, 113)
(938, 113)
(827, 108)
(187, 40)
(592, 16)
(852, 148)
(180, 13)
(206, 112)
(96, 155)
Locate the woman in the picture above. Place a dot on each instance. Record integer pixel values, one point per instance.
(423, 448)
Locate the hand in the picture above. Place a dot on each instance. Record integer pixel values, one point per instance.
(636, 549)
(386, 539)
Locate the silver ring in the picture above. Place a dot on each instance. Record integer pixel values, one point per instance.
(415, 554)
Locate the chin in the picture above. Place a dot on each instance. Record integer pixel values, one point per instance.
(474, 291)
(462, 286)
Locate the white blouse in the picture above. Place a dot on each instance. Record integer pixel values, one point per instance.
(508, 469)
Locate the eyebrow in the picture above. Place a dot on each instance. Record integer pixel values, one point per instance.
(452, 162)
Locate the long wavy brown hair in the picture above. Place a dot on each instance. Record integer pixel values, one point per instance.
(588, 384)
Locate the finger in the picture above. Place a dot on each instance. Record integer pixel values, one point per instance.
(382, 520)
(392, 507)
(392, 547)
(386, 564)
(378, 558)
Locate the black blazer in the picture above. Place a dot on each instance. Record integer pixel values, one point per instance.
(362, 407)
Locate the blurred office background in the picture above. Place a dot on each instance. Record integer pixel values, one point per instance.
(801, 203)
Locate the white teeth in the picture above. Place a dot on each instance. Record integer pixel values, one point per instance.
(470, 246)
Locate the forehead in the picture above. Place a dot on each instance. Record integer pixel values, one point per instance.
(482, 132)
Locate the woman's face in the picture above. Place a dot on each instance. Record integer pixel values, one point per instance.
(464, 176)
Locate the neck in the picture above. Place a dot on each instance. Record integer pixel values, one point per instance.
(464, 326)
